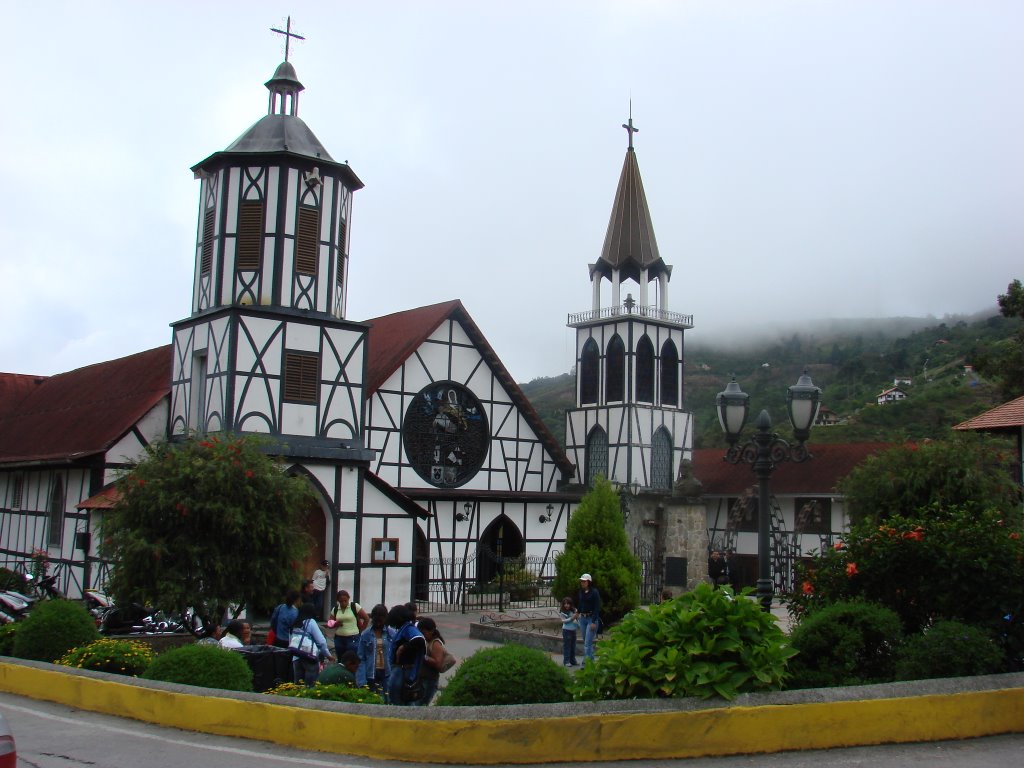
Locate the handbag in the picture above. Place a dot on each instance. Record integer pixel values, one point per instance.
(301, 644)
(449, 661)
(412, 690)
(271, 636)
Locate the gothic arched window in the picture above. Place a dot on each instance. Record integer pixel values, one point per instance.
(589, 372)
(615, 371)
(669, 374)
(645, 371)
(661, 460)
(597, 456)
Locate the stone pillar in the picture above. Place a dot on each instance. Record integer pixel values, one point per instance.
(685, 528)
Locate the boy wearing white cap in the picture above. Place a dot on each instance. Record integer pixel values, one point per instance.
(588, 607)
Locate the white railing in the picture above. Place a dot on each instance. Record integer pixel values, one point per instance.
(663, 315)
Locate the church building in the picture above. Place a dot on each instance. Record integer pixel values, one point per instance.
(423, 451)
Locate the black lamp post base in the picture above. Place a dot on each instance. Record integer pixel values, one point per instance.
(765, 593)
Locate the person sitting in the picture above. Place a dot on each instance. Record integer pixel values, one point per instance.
(236, 634)
(342, 673)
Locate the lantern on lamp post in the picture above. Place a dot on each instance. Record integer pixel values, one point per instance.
(763, 452)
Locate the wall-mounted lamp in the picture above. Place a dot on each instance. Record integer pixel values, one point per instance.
(547, 518)
(464, 516)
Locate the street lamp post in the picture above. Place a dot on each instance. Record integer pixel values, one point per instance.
(763, 452)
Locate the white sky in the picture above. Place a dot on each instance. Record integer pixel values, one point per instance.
(824, 158)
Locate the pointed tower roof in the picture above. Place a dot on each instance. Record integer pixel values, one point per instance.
(630, 245)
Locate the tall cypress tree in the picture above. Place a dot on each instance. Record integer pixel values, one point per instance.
(596, 543)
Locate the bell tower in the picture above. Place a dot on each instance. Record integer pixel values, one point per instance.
(628, 423)
(267, 348)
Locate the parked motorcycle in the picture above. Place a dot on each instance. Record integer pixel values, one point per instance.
(14, 606)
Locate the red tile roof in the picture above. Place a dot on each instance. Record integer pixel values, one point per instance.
(818, 475)
(14, 388)
(393, 338)
(1004, 418)
(84, 412)
(105, 499)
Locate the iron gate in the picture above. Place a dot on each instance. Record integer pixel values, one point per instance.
(486, 581)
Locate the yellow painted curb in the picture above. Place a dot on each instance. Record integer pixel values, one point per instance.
(720, 731)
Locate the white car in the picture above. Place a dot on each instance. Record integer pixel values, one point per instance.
(8, 752)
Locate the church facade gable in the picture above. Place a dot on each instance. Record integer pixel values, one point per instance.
(511, 456)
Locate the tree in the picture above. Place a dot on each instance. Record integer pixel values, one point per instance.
(1005, 362)
(205, 523)
(595, 543)
(912, 477)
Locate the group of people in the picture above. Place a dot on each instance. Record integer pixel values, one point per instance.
(719, 570)
(391, 651)
(583, 615)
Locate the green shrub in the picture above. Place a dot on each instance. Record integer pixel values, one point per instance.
(708, 642)
(119, 657)
(511, 674)
(52, 629)
(7, 633)
(11, 580)
(209, 666)
(948, 649)
(332, 692)
(942, 563)
(847, 643)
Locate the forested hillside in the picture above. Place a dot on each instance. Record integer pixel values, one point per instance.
(852, 363)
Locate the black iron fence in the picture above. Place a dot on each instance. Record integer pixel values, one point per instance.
(486, 581)
(651, 572)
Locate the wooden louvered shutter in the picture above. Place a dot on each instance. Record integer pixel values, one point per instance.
(250, 235)
(206, 262)
(301, 375)
(306, 238)
(342, 251)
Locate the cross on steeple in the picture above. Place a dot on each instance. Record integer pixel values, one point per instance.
(629, 127)
(288, 35)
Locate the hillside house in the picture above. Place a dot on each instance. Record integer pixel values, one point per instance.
(891, 395)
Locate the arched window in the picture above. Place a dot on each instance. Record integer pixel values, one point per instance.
(597, 456)
(589, 372)
(661, 460)
(615, 371)
(669, 374)
(645, 371)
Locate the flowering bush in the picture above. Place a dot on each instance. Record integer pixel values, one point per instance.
(943, 563)
(333, 692)
(119, 657)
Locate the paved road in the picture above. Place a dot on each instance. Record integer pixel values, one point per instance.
(52, 736)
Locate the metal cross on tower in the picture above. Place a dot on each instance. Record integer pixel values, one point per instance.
(629, 126)
(288, 35)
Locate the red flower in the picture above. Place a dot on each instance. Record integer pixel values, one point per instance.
(851, 569)
(808, 588)
(249, 473)
(839, 545)
(1015, 536)
(140, 482)
(915, 535)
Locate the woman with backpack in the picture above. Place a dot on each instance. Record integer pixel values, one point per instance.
(349, 620)
(308, 646)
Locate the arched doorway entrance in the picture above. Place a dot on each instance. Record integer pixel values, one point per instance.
(314, 523)
(500, 541)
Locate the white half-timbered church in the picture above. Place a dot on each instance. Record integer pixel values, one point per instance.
(423, 451)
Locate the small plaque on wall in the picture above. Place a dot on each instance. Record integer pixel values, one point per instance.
(675, 571)
(384, 550)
